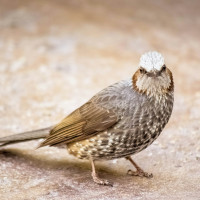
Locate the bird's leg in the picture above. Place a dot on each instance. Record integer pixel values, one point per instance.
(139, 171)
(95, 177)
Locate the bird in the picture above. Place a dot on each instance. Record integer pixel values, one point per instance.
(118, 122)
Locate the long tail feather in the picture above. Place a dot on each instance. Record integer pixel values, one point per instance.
(26, 136)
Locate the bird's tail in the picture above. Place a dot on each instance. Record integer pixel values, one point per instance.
(26, 136)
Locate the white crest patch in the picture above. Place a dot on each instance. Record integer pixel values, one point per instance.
(151, 60)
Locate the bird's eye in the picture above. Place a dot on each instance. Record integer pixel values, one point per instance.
(163, 68)
(143, 71)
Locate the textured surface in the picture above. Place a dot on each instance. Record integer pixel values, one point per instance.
(55, 55)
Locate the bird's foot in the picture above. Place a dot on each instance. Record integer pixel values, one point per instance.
(139, 173)
(100, 181)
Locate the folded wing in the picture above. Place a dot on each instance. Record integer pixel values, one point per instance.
(86, 121)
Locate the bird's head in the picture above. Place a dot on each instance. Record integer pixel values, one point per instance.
(153, 77)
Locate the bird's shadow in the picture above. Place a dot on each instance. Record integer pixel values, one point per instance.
(71, 168)
(40, 160)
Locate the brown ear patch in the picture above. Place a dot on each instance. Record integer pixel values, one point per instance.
(171, 87)
(134, 80)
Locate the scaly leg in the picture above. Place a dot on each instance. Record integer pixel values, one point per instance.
(139, 171)
(96, 178)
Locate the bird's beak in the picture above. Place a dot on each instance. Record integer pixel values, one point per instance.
(154, 73)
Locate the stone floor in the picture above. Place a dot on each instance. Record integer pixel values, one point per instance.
(55, 55)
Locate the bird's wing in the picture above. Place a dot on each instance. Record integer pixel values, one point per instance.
(83, 123)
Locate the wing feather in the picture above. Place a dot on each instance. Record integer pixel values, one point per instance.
(86, 121)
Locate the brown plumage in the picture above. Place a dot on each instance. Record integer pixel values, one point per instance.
(121, 120)
(82, 124)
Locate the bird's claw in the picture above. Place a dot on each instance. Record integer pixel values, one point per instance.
(139, 173)
(102, 181)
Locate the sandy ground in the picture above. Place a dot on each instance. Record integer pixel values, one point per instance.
(55, 55)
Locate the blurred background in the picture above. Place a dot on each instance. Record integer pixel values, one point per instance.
(56, 54)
